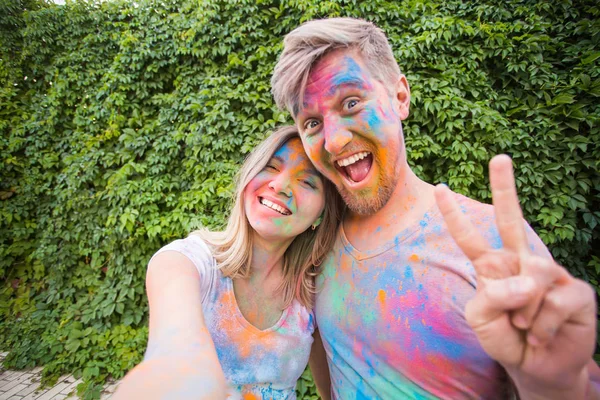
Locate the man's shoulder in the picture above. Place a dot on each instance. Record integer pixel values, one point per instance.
(483, 217)
(477, 211)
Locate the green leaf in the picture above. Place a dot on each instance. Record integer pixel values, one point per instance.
(590, 58)
(563, 98)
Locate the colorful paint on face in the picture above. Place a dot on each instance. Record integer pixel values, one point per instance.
(392, 319)
(347, 112)
(287, 196)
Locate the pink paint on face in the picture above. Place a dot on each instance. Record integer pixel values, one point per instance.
(286, 197)
(351, 129)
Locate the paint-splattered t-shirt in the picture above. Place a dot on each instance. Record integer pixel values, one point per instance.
(392, 319)
(258, 364)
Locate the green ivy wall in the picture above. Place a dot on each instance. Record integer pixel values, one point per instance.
(122, 124)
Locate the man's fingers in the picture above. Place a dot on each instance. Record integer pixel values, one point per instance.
(496, 297)
(572, 302)
(509, 217)
(545, 273)
(462, 230)
(497, 264)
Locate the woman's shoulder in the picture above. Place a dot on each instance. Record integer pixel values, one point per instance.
(193, 245)
(195, 249)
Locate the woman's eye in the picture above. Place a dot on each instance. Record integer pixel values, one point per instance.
(270, 167)
(311, 184)
(311, 124)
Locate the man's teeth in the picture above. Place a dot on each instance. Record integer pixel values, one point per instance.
(274, 206)
(352, 159)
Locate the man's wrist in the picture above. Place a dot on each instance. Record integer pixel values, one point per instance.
(575, 387)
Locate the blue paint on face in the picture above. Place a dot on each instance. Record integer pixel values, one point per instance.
(352, 76)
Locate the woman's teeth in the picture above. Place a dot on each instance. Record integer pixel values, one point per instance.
(274, 206)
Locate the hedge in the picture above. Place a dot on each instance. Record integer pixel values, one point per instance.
(124, 121)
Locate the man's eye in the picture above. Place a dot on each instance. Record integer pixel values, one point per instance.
(270, 167)
(350, 104)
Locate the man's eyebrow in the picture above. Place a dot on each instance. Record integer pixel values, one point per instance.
(279, 159)
(342, 82)
(345, 80)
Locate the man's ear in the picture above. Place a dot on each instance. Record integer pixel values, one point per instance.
(402, 96)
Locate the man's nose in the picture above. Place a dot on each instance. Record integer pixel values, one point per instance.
(337, 136)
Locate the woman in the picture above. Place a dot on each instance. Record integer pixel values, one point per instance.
(234, 308)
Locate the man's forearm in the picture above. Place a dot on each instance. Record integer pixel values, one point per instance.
(577, 387)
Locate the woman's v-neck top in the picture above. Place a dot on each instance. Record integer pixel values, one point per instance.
(258, 364)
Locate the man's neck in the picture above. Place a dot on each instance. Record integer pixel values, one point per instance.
(411, 199)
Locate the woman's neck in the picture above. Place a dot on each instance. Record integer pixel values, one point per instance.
(267, 260)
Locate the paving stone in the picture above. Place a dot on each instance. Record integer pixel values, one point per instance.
(35, 395)
(9, 375)
(19, 375)
(13, 391)
(25, 385)
(29, 389)
(25, 378)
(53, 392)
(9, 386)
(72, 387)
(111, 388)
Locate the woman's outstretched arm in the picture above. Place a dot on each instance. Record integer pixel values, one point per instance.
(181, 361)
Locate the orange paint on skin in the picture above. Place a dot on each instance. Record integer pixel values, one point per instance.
(414, 258)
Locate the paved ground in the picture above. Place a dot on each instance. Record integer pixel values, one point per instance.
(24, 385)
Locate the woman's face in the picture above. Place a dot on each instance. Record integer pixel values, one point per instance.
(287, 196)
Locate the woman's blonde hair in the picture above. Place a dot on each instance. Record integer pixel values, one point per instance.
(306, 44)
(232, 247)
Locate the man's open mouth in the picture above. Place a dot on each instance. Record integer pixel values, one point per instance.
(356, 167)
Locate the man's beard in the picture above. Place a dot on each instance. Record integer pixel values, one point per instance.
(366, 202)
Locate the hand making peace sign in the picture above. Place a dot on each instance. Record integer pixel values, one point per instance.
(529, 313)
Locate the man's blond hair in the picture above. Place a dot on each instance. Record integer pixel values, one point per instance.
(305, 45)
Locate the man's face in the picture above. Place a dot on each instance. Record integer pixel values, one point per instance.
(351, 129)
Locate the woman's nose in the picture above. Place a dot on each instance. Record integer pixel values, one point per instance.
(281, 184)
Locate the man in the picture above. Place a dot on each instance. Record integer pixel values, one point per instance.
(426, 294)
